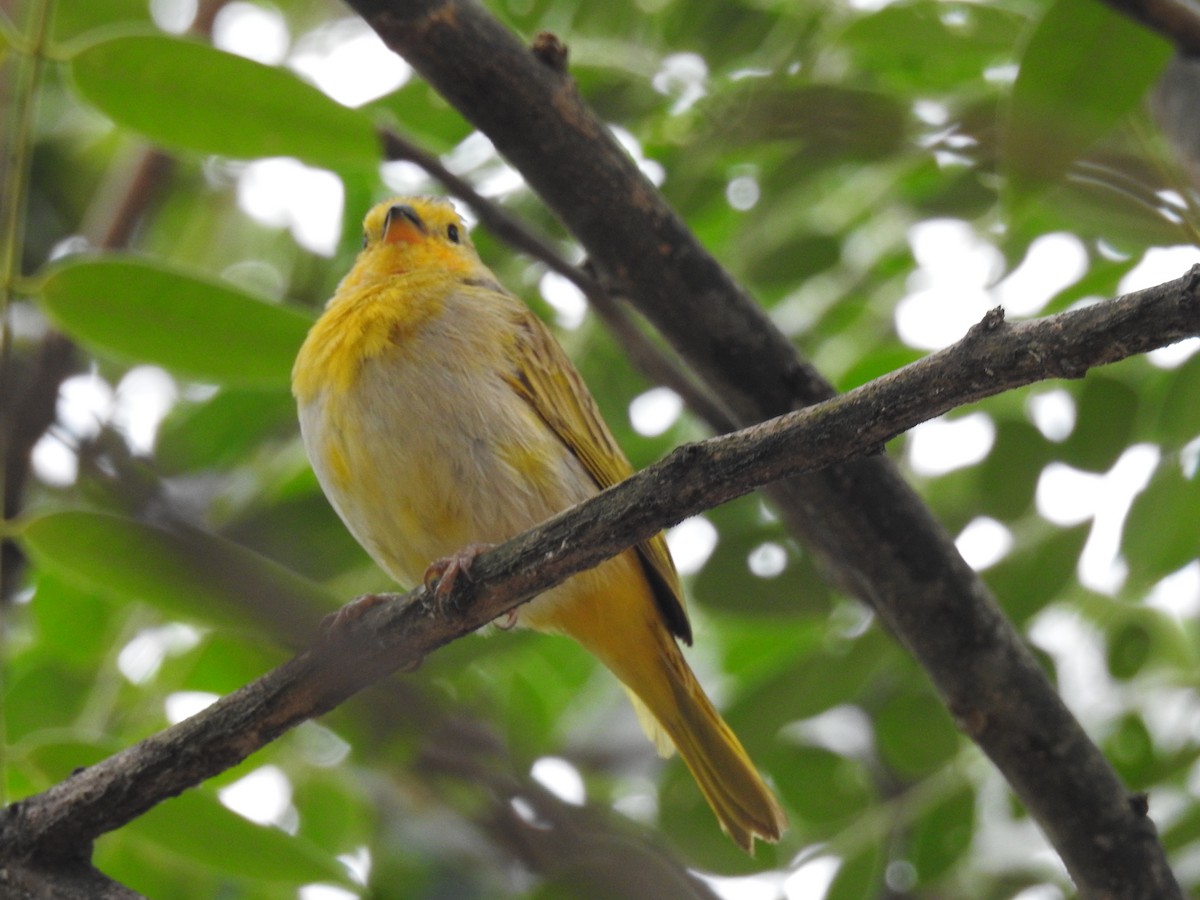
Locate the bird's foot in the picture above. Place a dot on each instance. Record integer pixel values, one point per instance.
(508, 621)
(443, 573)
(351, 612)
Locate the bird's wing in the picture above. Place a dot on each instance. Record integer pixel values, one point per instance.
(545, 377)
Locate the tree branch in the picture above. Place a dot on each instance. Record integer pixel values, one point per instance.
(24, 882)
(59, 824)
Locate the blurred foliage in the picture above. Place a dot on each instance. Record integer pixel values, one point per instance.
(803, 143)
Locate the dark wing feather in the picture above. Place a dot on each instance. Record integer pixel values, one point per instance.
(545, 377)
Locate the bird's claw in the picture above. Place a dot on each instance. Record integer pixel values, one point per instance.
(351, 612)
(443, 573)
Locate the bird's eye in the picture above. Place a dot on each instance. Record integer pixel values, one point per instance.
(452, 233)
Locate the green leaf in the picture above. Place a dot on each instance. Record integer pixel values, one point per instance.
(1104, 420)
(1183, 830)
(1007, 479)
(1179, 413)
(189, 96)
(833, 673)
(1038, 570)
(942, 835)
(1131, 750)
(820, 121)
(932, 44)
(859, 875)
(784, 265)
(335, 809)
(968, 193)
(233, 845)
(1129, 649)
(220, 664)
(1085, 67)
(424, 115)
(828, 788)
(142, 312)
(1162, 531)
(876, 364)
(727, 583)
(915, 734)
(40, 695)
(223, 431)
(74, 626)
(185, 572)
(73, 21)
(303, 533)
(54, 753)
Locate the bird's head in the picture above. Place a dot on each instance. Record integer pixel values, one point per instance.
(413, 234)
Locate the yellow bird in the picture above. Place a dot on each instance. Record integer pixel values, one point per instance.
(439, 412)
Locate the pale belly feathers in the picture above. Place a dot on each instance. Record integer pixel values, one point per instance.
(449, 455)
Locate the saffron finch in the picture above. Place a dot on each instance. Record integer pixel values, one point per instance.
(439, 413)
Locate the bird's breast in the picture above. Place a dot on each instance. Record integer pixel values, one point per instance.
(430, 449)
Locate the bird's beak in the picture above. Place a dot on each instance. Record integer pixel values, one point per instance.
(402, 226)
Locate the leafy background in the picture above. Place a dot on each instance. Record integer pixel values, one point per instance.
(807, 145)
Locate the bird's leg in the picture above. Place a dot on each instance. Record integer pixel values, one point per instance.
(332, 626)
(442, 573)
(508, 621)
(351, 612)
